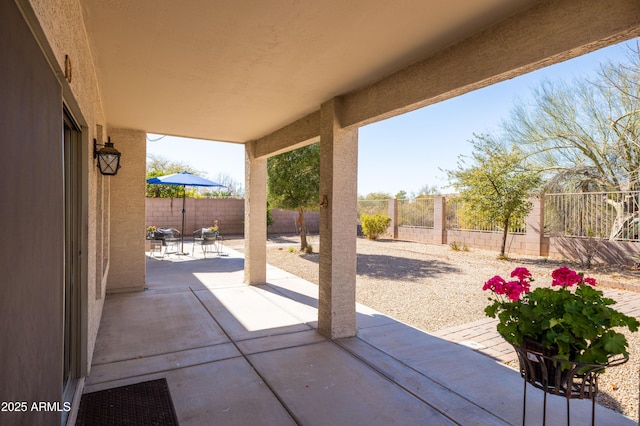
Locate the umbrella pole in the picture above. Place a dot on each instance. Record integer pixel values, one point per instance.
(184, 193)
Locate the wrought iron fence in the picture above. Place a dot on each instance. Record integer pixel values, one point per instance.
(416, 213)
(606, 215)
(373, 207)
(460, 217)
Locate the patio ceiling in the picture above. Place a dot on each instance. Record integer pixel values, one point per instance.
(235, 71)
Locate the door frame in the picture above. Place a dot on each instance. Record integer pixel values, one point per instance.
(78, 333)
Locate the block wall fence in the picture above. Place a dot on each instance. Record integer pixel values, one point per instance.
(202, 212)
(534, 242)
(229, 212)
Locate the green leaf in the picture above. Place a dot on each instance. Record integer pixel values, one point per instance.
(614, 343)
(553, 322)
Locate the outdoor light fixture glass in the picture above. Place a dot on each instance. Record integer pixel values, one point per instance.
(108, 157)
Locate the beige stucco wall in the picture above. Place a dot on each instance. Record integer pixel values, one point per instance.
(127, 260)
(43, 33)
(61, 24)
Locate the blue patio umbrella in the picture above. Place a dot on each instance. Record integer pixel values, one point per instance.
(183, 179)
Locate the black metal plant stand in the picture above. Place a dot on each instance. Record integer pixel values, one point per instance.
(573, 380)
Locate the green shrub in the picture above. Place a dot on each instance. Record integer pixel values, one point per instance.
(270, 219)
(374, 225)
(456, 246)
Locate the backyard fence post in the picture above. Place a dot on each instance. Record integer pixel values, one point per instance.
(393, 214)
(535, 228)
(440, 219)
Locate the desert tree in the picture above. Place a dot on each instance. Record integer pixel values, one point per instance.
(294, 183)
(570, 134)
(376, 196)
(496, 181)
(402, 195)
(160, 166)
(231, 189)
(584, 135)
(428, 191)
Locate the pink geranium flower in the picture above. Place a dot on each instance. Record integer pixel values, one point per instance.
(495, 284)
(565, 277)
(521, 273)
(512, 289)
(590, 281)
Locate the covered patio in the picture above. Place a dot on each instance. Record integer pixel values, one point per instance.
(271, 76)
(238, 354)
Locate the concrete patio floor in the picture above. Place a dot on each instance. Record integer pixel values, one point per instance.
(234, 354)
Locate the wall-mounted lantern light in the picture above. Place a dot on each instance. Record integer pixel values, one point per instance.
(108, 157)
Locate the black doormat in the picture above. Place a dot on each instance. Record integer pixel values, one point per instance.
(146, 403)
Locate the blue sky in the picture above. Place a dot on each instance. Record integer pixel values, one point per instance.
(405, 152)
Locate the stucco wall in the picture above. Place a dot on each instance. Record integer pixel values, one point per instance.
(127, 268)
(36, 37)
(62, 26)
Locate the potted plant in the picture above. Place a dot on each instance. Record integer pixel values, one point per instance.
(151, 231)
(568, 326)
(564, 335)
(214, 229)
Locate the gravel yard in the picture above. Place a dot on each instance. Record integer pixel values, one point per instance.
(432, 287)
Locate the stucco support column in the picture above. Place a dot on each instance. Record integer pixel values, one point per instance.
(127, 267)
(338, 220)
(255, 217)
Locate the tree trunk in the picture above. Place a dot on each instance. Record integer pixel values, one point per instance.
(303, 229)
(505, 233)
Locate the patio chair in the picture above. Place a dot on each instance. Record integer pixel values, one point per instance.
(170, 238)
(208, 241)
(155, 246)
